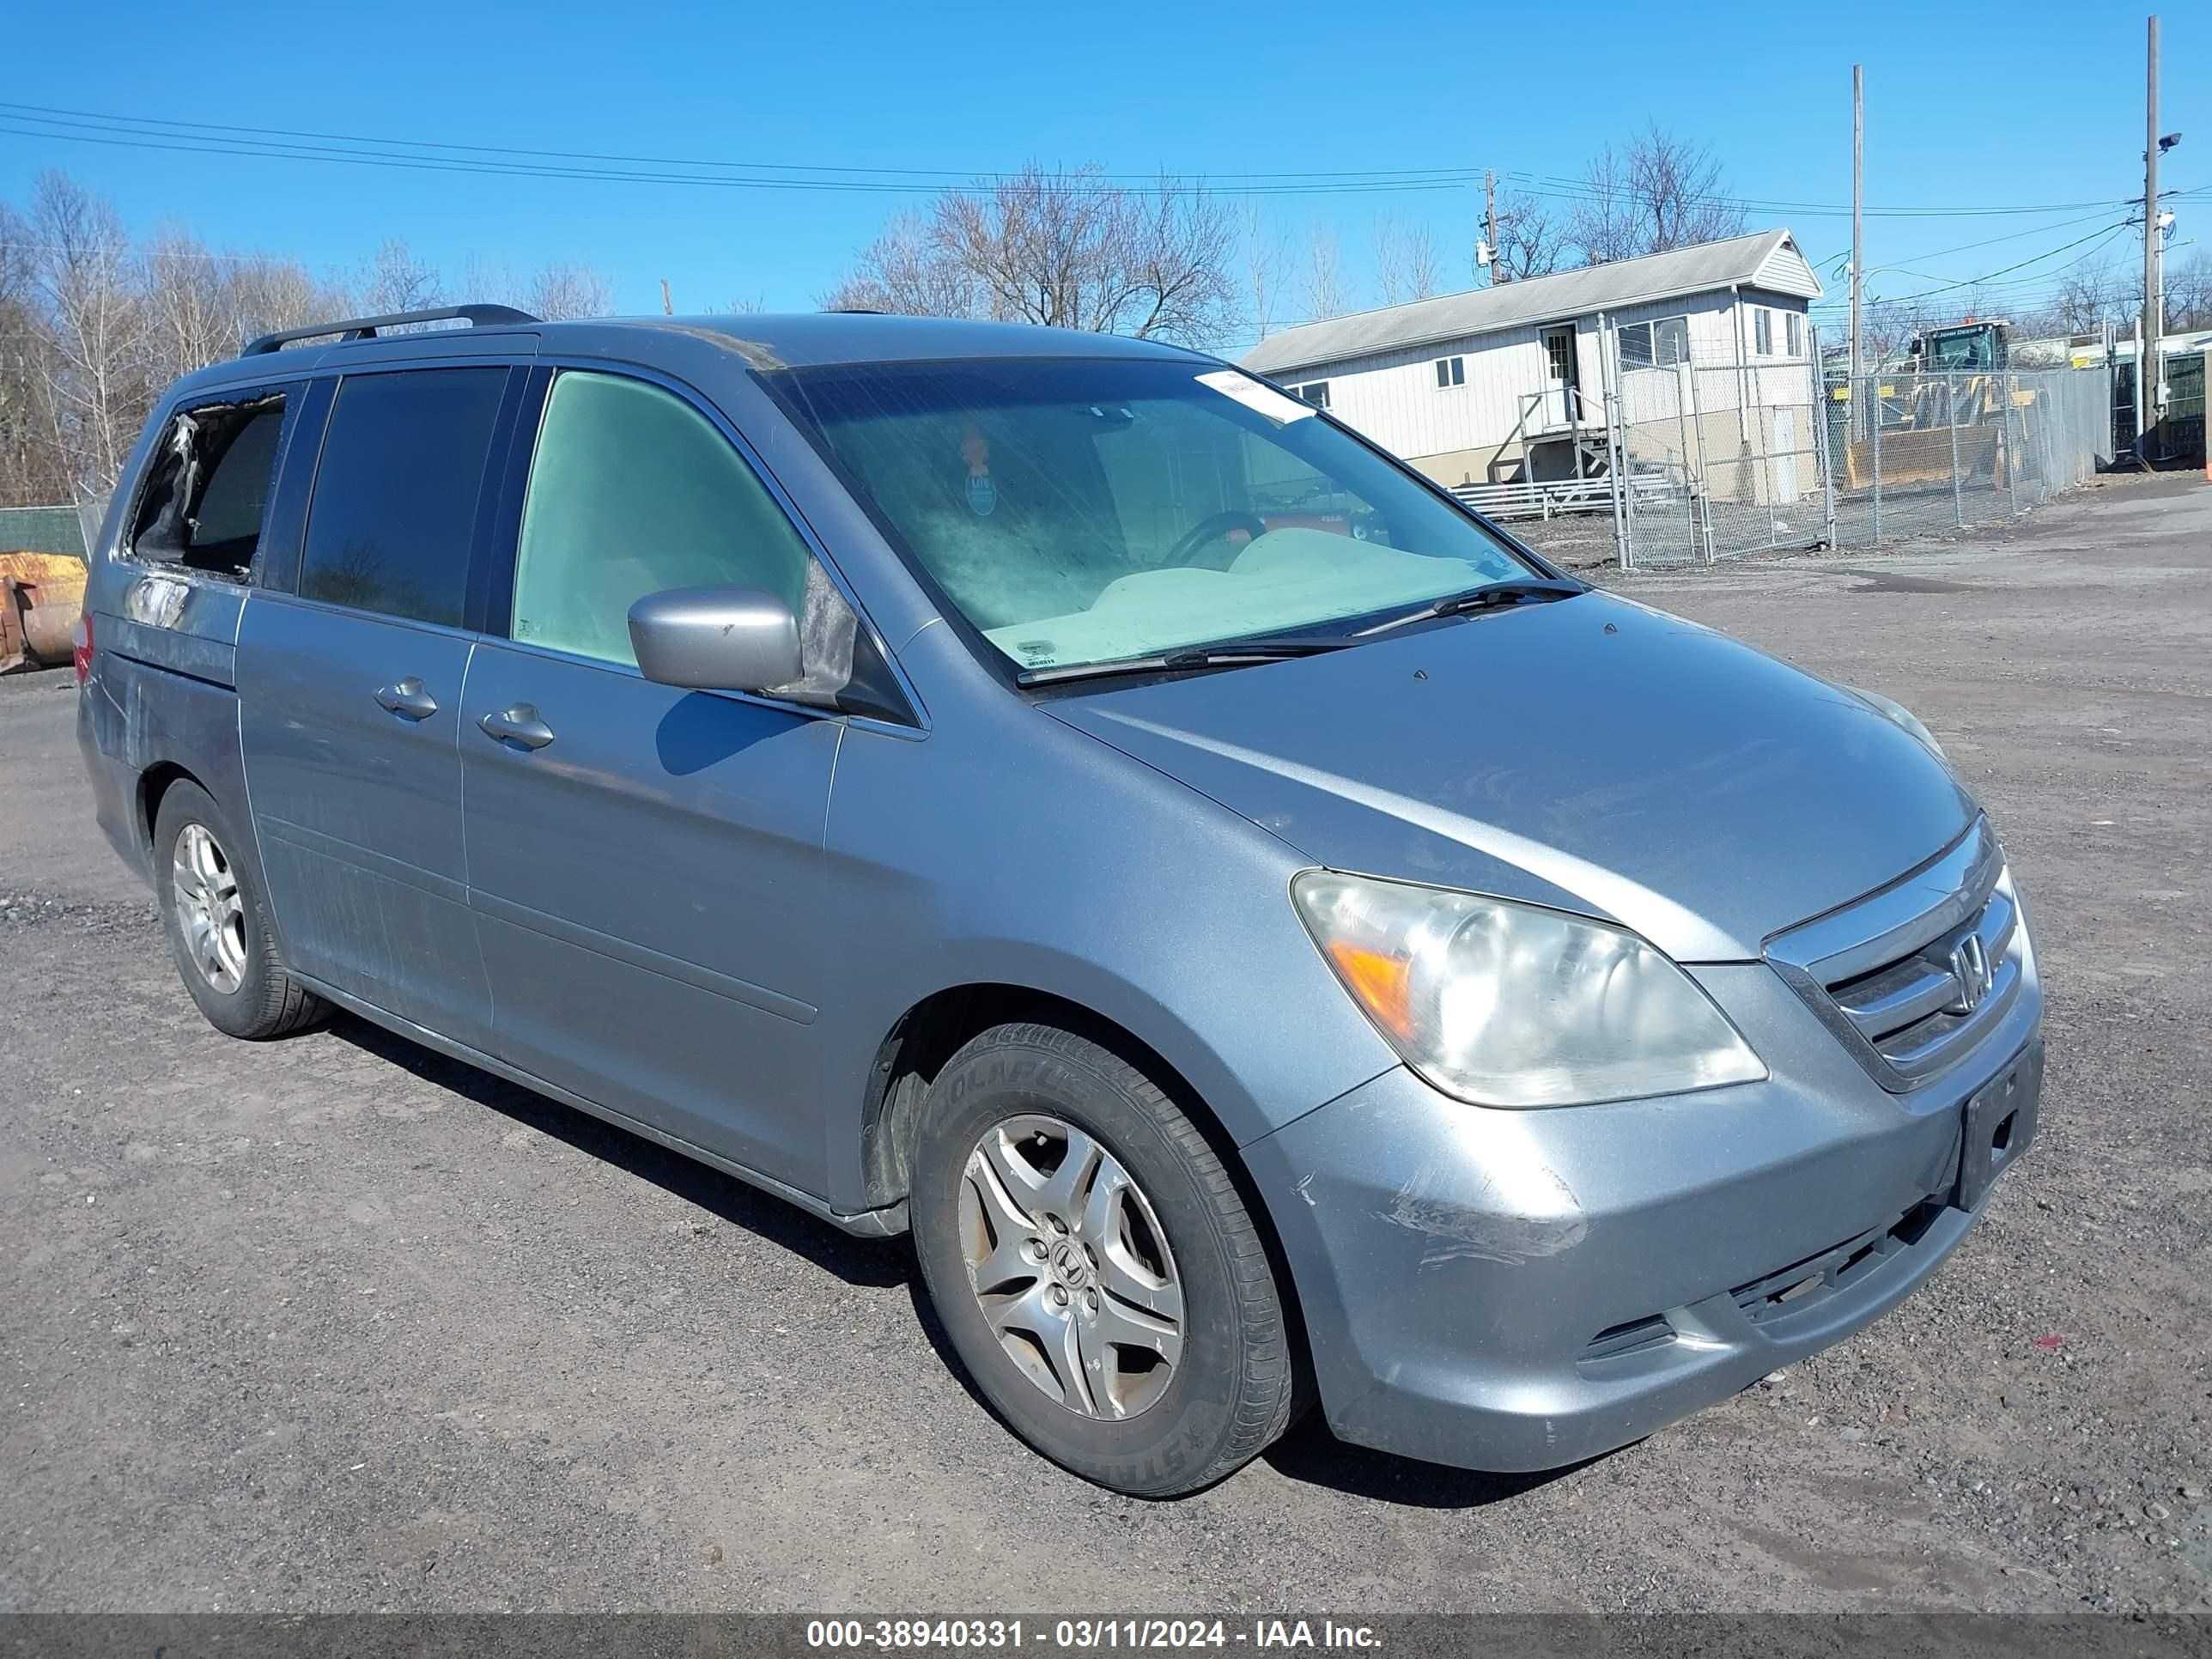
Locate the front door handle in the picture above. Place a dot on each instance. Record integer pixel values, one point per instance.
(408, 700)
(518, 723)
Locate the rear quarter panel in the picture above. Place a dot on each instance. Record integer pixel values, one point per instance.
(161, 690)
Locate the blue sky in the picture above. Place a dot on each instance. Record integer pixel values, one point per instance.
(2027, 103)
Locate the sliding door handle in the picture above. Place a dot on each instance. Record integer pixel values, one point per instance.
(407, 699)
(517, 724)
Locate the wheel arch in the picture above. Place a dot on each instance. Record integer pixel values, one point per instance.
(934, 1029)
(154, 783)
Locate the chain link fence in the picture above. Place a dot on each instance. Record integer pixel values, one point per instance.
(1719, 459)
(1702, 461)
(1920, 453)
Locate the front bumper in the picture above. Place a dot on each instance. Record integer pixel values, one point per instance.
(1520, 1290)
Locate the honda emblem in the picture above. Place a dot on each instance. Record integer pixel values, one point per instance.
(1970, 967)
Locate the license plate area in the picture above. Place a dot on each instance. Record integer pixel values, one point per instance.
(1997, 1123)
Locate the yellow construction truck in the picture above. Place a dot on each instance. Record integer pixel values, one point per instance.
(1951, 378)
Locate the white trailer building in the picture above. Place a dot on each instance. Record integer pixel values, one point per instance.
(1506, 384)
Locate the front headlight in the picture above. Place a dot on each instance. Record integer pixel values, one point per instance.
(1512, 1005)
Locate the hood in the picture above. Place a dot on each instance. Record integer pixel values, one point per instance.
(1590, 753)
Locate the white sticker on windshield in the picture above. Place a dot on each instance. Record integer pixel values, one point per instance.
(1261, 400)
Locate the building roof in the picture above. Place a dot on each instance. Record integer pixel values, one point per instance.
(1749, 261)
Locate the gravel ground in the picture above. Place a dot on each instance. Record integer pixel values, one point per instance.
(335, 1324)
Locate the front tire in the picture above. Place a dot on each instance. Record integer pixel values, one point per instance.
(218, 920)
(1095, 1266)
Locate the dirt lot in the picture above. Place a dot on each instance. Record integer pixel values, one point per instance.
(334, 1324)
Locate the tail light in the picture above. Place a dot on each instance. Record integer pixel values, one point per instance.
(81, 648)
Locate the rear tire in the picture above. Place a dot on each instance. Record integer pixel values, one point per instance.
(1121, 1315)
(218, 920)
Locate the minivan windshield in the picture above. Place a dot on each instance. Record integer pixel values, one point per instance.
(1084, 511)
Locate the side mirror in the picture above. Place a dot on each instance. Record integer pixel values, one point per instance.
(715, 639)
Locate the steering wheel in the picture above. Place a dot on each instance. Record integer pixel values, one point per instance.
(1214, 528)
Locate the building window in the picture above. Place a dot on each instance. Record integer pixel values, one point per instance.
(1793, 329)
(1451, 371)
(1313, 391)
(1762, 331)
(1659, 345)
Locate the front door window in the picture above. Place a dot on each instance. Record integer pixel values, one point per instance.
(632, 492)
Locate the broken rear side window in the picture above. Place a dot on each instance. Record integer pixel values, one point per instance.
(207, 489)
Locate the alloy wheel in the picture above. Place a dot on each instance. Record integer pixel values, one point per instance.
(210, 909)
(1070, 1267)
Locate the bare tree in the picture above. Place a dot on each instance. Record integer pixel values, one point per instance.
(395, 280)
(487, 281)
(1888, 327)
(34, 468)
(558, 290)
(1406, 263)
(1267, 270)
(2088, 297)
(92, 328)
(906, 272)
(94, 371)
(191, 314)
(2189, 293)
(563, 290)
(1179, 283)
(1530, 242)
(1657, 193)
(1057, 249)
(268, 294)
(1060, 248)
(1326, 293)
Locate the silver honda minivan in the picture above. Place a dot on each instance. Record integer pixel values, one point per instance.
(1269, 936)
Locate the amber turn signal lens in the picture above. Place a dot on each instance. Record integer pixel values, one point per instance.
(1380, 982)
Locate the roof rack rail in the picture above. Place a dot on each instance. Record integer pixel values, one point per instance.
(364, 328)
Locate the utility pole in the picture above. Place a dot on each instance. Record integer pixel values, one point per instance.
(2147, 375)
(1490, 219)
(1858, 212)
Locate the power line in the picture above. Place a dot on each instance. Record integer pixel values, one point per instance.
(214, 138)
(183, 146)
(2047, 282)
(41, 111)
(1988, 279)
(1583, 189)
(133, 132)
(1968, 247)
(2107, 233)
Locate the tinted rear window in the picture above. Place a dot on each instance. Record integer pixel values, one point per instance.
(395, 496)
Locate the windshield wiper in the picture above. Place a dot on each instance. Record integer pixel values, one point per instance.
(1478, 598)
(1227, 654)
(1231, 652)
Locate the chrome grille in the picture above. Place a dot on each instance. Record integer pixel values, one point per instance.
(1911, 977)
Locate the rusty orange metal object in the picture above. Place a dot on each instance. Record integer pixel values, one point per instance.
(40, 597)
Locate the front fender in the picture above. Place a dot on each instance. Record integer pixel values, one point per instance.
(1045, 860)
